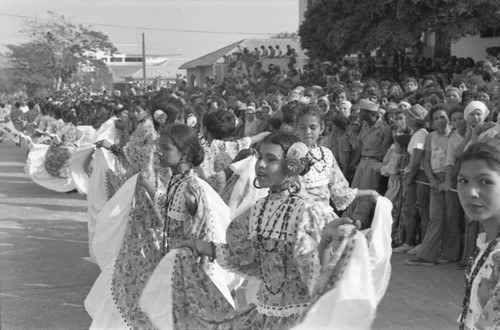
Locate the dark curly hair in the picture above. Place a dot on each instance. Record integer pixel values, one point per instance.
(313, 110)
(487, 152)
(186, 140)
(171, 105)
(340, 121)
(285, 141)
(220, 123)
(438, 107)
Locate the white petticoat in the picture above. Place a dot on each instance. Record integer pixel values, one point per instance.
(156, 297)
(352, 304)
(36, 170)
(110, 230)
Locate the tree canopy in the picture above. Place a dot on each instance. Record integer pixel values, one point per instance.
(56, 52)
(333, 28)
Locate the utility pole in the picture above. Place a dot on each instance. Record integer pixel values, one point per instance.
(144, 61)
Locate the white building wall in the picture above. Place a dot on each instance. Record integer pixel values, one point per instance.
(474, 47)
(302, 10)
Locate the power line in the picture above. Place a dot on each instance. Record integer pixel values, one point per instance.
(144, 27)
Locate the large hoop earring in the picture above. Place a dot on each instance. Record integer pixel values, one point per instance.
(294, 186)
(255, 184)
(183, 167)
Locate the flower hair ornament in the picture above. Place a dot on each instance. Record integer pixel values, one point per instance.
(191, 120)
(297, 160)
(158, 114)
(491, 132)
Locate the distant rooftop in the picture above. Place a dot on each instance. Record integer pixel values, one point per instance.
(250, 44)
(154, 55)
(167, 69)
(210, 58)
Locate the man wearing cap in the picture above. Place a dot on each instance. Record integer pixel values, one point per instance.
(375, 138)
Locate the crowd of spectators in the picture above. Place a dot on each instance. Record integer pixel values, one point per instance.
(397, 125)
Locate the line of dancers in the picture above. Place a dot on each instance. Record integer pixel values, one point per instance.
(180, 228)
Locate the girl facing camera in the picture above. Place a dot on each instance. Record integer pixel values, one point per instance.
(479, 193)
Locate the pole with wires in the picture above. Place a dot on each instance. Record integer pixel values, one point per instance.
(144, 61)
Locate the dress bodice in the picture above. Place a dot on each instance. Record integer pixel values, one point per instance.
(179, 223)
(484, 303)
(140, 147)
(325, 180)
(276, 241)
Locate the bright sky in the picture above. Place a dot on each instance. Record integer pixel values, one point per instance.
(161, 21)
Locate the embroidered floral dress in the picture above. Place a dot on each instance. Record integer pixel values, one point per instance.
(483, 311)
(218, 155)
(57, 160)
(136, 156)
(60, 151)
(127, 248)
(140, 253)
(194, 293)
(57, 127)
(325, 181)
(276, 241)
(139, 149)
(44, 123)
(70, 135)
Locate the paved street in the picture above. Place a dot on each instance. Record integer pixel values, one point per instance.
(44, 276)
(43, 240)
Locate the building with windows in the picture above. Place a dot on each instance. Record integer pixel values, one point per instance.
(221, 63)
(129, 67)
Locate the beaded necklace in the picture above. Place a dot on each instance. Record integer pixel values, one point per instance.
(319, 160)
(470, 276)
(289, 202)
(173, 184)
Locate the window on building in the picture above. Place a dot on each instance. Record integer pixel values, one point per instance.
(116, 59)
(133, 59)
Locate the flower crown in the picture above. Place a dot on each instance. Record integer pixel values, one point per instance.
(297, 159)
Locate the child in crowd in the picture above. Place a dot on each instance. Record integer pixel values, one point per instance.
(325, 181)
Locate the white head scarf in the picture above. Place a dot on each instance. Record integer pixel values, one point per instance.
(476, 105)
(348, 103)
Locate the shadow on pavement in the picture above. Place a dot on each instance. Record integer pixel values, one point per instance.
(66, 208)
